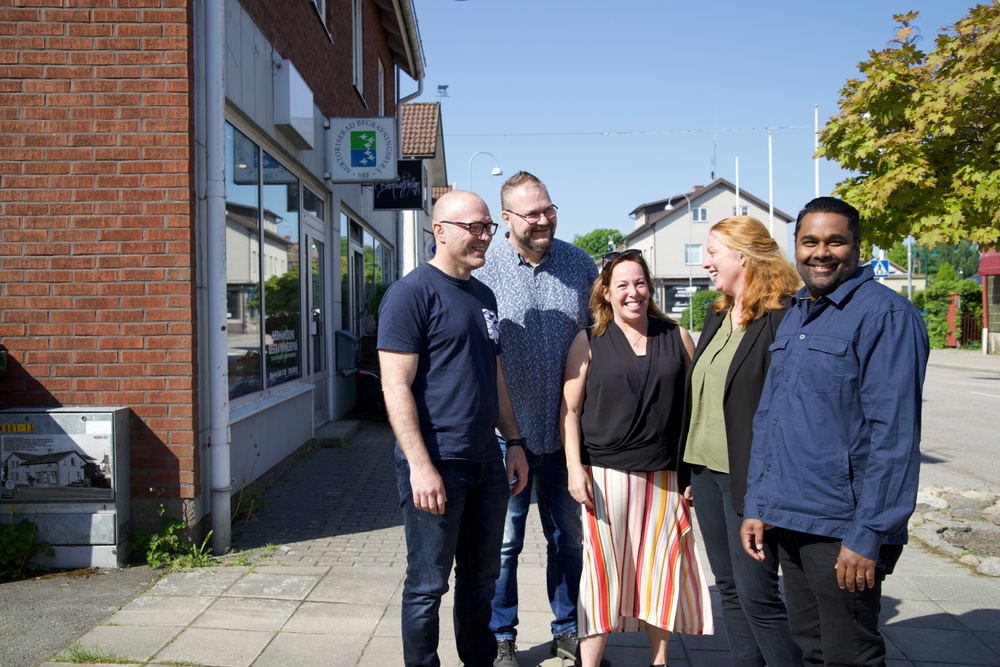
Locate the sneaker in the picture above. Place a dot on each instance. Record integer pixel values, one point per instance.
(506, 654)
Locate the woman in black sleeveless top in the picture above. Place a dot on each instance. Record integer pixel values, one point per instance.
(622, 417)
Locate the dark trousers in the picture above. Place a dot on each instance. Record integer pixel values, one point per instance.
(752, 609)
(468, 535)
(832, 626)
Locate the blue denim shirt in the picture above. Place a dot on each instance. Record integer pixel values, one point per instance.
(541, 309)
(836, 443)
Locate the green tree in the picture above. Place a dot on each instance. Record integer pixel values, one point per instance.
(922, 133)
(701, 302)
(964, 258)
(934, 302)
(599, 241)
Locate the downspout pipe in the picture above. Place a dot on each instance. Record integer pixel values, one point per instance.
(416, 66)
(215, 168)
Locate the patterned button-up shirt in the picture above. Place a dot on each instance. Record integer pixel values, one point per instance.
(541, 310)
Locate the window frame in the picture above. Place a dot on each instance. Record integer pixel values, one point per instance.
(357, 46)
(688, 249)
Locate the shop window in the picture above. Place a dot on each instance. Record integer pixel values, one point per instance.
(366, 271)
(263, 286)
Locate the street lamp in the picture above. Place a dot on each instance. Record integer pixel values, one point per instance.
(497, 171)
(687, 260)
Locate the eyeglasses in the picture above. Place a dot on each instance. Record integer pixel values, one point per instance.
(610, 257)
(549, 212)
(474, 228)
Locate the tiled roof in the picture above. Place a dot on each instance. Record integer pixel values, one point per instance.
(420, 128)
(439, 190)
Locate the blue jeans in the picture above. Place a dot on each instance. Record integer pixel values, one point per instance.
(755, 617)
(562, 526)
(468, 535)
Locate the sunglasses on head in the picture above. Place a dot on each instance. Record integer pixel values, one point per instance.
(609, 257)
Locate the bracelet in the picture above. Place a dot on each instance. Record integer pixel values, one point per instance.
(517, 442)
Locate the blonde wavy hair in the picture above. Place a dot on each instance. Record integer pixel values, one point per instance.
(600, 310)
(769, 280)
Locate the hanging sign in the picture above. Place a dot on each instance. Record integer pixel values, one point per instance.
(406, 192)
(363, 150)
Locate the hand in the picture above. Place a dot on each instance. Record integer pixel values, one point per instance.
(689, 495)
(428, 489)
(579, 485)
(517, 469)
(854, 571)
(752, 538)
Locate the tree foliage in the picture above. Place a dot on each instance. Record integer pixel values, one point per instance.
(599, 241)
(922, 132)
(963, 257)
(934, 302)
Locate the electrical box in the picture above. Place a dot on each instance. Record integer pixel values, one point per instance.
(67, 470)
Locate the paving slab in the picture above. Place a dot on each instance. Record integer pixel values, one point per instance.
(312, 651)
(163, 610)
(336, 618)
(265, 615)
(215, 647)
(949, 647)
(274, 586)
(135, 643)
(198, 582)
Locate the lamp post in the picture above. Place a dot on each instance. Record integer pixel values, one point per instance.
(497, 171)
(670, 207)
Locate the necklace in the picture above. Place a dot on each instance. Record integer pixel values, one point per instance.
(635, 343)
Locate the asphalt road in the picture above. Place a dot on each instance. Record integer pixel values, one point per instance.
(960, 437)
(40, 616)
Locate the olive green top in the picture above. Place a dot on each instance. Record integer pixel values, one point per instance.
(706, 442)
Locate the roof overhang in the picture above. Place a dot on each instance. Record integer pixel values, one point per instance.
(989, 263)
(400, 25)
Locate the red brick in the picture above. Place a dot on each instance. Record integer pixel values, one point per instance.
(101, 385)
(45, 86)
(144, 357)
(89, 30)
(122, 289)
(143, 384)
(97, 329)
(122, 343)
(146, 329)
(66, 16)
(70, 43)
(91, 357)
(93, 58)
(117, 44)
(74, 289)
(73, 343)
(123, 370)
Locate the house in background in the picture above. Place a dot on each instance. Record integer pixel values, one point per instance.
(989, 270)
(672, 232)
(423, 139)
(189, 220)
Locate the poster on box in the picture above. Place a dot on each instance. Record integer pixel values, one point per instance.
(57, 467)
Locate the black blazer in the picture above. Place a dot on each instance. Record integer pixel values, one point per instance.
(744, 383)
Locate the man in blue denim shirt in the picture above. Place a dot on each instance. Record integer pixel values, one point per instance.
(836, 457)
(542, 286)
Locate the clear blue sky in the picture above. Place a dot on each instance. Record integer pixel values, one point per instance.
(538, 83)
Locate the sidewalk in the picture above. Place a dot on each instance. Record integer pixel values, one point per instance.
(966, 360)
(329, 559)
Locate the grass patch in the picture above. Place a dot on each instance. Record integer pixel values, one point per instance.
(85, 655)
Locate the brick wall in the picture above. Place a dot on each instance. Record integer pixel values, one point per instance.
(97, 299)
(295, 30)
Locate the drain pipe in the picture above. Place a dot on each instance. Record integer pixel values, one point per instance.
(218, 383)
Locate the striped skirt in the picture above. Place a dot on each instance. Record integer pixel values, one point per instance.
(639, 560)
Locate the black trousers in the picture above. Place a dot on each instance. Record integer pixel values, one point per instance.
(833, 627)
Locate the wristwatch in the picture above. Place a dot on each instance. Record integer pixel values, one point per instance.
(517, 442)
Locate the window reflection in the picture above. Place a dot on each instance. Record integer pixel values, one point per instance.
(262, 268)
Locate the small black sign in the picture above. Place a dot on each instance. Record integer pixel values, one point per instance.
(406, 192)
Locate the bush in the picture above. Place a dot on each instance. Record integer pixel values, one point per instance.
(18, 546)
(934, 302)
(701, 301)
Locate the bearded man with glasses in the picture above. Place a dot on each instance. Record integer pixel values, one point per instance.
(439, 350)
(542, 285)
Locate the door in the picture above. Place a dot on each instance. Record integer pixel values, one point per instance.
(319, 315)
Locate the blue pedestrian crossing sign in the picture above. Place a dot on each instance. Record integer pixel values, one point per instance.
(881, 268)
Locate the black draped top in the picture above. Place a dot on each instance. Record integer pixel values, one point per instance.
(633, 406)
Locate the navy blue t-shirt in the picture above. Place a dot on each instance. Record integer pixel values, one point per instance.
(452, 325)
